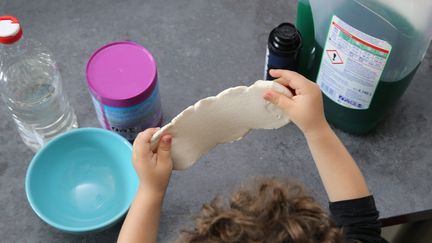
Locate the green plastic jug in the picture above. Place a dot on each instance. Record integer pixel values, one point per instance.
(363, 54)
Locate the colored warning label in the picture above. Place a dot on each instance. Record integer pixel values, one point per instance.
(351, 65)
(334, 57)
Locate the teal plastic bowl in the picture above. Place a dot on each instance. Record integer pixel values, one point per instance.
(82, 181)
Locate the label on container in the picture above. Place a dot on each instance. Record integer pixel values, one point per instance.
(129, 121)
(351, 65)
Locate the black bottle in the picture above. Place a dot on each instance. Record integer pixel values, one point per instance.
(283, 48)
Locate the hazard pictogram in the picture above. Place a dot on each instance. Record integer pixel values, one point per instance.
(334, 56)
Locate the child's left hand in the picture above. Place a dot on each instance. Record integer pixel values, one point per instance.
(153, 168)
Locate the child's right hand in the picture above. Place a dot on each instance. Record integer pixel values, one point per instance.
(305, 108)
(340, 174)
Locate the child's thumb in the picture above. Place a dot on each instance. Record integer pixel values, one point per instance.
(278, 99)
(164, 148)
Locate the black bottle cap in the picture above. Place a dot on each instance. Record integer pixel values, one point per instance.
(284, 39)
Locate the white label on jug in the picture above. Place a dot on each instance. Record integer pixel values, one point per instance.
(351, 65)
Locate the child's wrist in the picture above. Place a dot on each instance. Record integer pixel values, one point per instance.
(318, 130)
(151, 194)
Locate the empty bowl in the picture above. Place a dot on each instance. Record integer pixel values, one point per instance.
(82, 181)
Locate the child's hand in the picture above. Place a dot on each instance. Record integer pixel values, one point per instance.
(153, 168)
(305, 108)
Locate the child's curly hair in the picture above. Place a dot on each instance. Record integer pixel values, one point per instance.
(269, 211)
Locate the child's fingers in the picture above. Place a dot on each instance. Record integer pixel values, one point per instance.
(277, 73)
(141, 145)
(164, 149)
(288, 78)
(278, 99)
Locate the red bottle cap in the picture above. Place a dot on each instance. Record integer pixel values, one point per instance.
(10, 30)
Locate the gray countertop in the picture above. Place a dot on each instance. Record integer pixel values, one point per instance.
(203, 47)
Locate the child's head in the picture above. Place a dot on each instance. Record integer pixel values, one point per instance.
(268, 211)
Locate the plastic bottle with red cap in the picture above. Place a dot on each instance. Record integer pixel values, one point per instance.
(30, 85)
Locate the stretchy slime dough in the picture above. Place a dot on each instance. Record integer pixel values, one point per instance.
(224, 118)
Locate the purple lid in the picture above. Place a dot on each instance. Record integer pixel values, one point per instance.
(121, 74)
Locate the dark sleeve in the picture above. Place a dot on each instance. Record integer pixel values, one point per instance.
(358, 219)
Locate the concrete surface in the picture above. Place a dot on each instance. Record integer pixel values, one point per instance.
(203, 47)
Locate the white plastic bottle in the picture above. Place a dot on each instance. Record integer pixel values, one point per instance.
(30, 85)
